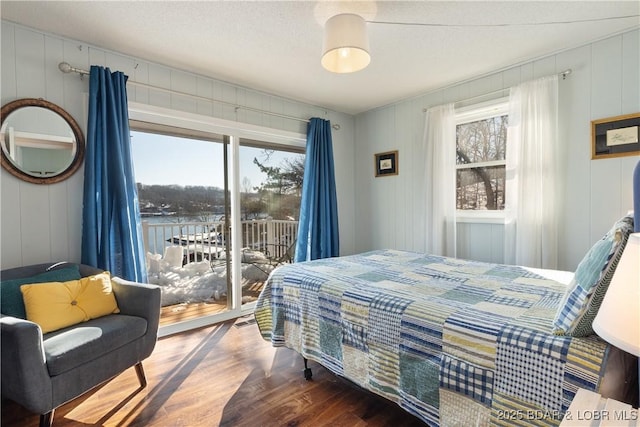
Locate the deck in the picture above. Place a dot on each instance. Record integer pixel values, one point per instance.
(177, 313)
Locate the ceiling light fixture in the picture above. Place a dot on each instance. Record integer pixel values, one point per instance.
(345, 48)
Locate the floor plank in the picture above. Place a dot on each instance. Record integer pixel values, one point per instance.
(222, 375)
(177, 313)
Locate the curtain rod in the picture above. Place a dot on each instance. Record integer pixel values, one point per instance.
(66, 68)
(562, 74)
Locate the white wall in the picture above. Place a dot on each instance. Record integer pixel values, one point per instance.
(42, 223)
(605, 82)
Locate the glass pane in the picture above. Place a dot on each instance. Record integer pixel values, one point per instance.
(481, 141)
(182, 203)
(480, 188)
(271, 188)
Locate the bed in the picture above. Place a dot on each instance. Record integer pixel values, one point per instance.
(454, 342)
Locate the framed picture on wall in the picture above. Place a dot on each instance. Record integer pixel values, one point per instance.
(615, 136)
(386, 163)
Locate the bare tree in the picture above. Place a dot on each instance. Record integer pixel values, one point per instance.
(481, 141)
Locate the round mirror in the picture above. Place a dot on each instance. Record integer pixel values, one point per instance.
(41, 142)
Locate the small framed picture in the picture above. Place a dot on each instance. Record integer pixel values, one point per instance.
(615, 136)
(386, 163)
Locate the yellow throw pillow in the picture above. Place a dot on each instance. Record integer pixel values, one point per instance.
(56, 305)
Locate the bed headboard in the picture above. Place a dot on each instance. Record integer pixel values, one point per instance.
(636, 198)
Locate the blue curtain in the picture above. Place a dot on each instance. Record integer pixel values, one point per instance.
(318, 227)
(111, 227)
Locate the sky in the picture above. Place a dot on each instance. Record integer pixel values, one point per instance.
(169, 160)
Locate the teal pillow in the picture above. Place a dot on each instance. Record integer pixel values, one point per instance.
(11, 302)
(584, 294)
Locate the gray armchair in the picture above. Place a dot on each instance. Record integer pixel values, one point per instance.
(42, 372)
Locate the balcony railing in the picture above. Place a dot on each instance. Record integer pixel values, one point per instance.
(206, 240)
(187, 259)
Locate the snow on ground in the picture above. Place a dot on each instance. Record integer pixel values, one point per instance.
(199, 281)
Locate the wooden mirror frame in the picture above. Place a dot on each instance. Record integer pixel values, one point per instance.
(14, 170)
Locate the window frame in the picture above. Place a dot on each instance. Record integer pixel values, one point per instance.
(472, 113)
(235, 132)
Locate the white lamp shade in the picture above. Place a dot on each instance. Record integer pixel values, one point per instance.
(618, 320)
(345, 48)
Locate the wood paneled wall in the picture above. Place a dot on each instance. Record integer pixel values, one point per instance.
(605, 82)
(43, 223)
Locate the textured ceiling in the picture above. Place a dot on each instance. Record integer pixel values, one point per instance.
(275, 46)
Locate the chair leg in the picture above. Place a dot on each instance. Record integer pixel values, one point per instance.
(46, 419)
(141, 377)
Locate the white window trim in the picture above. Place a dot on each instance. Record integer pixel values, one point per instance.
(472, 113)
(481, 217)
(236, 130)
(182, 119)
(481, 164)
(482, 110)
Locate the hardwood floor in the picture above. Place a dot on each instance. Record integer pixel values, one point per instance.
(190, 310)
(223, 375)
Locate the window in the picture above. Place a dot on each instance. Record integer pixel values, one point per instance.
(220, 205)
(481, 144)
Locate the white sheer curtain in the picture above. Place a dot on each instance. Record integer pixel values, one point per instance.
(532, 189)
(439, 145)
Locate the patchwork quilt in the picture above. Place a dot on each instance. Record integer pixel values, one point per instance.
(453, 342)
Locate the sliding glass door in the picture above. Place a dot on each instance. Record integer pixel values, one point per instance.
(270, 190)
(220, 211)
(184, 203)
